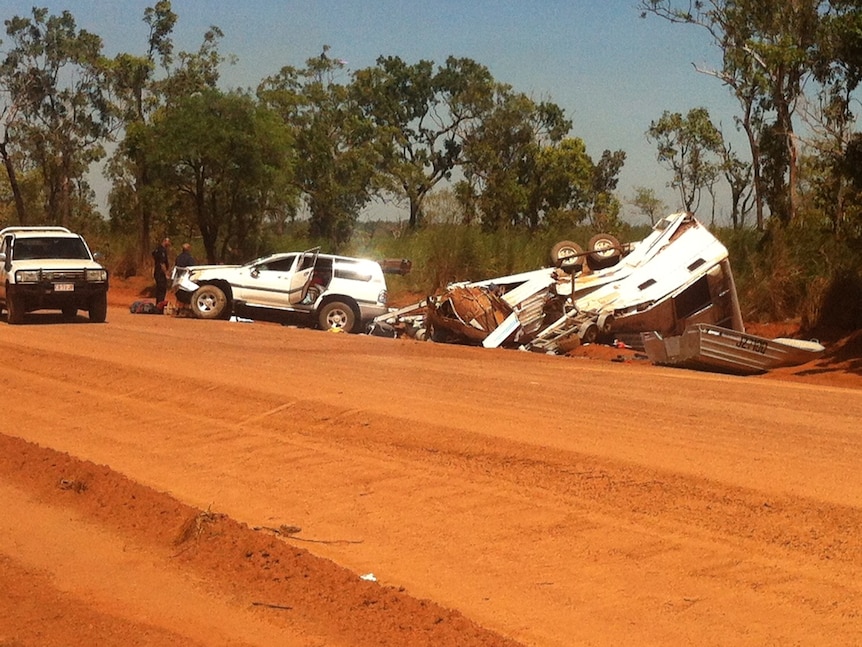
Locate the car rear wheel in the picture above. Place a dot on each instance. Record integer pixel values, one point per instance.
(209, 302)
(338, 315)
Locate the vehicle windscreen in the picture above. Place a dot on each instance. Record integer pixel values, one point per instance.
(50, 247)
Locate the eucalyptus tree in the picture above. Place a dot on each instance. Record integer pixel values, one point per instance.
(137, 95)
(337, 156)
(504, 168)
(227, 160)
(833, 119)
(768, 48)
(687, 146)
(57, 112)
(422, 115)
(521, 169)
(648, 203)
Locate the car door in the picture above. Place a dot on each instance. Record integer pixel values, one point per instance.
(281, 282)
(268, 283)
(302, 276)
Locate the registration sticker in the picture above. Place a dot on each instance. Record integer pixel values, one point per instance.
(64, 287)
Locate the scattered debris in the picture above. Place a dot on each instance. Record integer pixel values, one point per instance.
(368, 577)
(676, 276)
(272, 606)
(194, 526)
(72, 484)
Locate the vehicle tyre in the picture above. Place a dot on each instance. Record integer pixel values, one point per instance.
(337, 314)
(209, 302)
(605, 323)
(588, 332)
(69, 312)
(567, 255)
(98, 310)
(14, 309)
(604, 251)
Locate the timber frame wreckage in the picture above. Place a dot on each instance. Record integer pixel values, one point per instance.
(676, 278)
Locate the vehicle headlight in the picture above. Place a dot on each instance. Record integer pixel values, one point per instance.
(96, 276)
(27, 276)
(382, 297)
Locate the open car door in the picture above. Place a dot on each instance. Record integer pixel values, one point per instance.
(303, 275)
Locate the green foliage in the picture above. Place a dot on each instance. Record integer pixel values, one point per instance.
(224, 159)
(336, 155)
(794, 273)
(59, 113)
(687, 146)
(421, 116)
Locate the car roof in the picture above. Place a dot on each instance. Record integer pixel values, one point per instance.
(334, 257)
(36, 232)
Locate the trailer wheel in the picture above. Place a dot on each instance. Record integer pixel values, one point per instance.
(605, 323)
(588, 332)
(567, 255)
(604, 251)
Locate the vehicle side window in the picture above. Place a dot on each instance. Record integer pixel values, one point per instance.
(279, 265)
(352, 271)
(308, 260)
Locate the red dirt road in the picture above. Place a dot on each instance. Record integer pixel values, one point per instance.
(170, 481)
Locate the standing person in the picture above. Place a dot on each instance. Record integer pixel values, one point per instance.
(160, 269)
(185, 258)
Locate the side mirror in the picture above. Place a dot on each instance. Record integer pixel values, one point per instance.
(255, 272)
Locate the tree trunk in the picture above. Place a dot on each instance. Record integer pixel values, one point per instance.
(13, 183)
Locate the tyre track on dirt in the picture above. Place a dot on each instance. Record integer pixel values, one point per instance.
(512, 526)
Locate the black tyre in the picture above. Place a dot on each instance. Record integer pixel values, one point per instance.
(604, 251)
(337, 314)
(567, 254)
(98, 310)
(14, 309)
(209, 302)
(588, 332)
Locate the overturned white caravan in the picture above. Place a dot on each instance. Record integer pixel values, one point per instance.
(677, 276)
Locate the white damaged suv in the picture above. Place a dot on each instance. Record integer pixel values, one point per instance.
(334, 291)
(50, 268)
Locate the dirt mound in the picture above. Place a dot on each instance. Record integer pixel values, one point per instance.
(257, 567)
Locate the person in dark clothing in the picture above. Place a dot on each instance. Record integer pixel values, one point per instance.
(161, 269)
(185, 258)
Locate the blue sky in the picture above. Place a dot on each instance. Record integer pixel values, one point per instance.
(611, 71)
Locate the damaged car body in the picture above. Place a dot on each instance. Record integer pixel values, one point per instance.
(677, 276)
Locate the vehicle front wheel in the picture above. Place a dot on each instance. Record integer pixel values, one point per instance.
(338, 315)
(14, 309)
(209, 302)
(98, 310)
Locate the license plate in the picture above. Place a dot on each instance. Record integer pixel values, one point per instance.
(64, 287)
